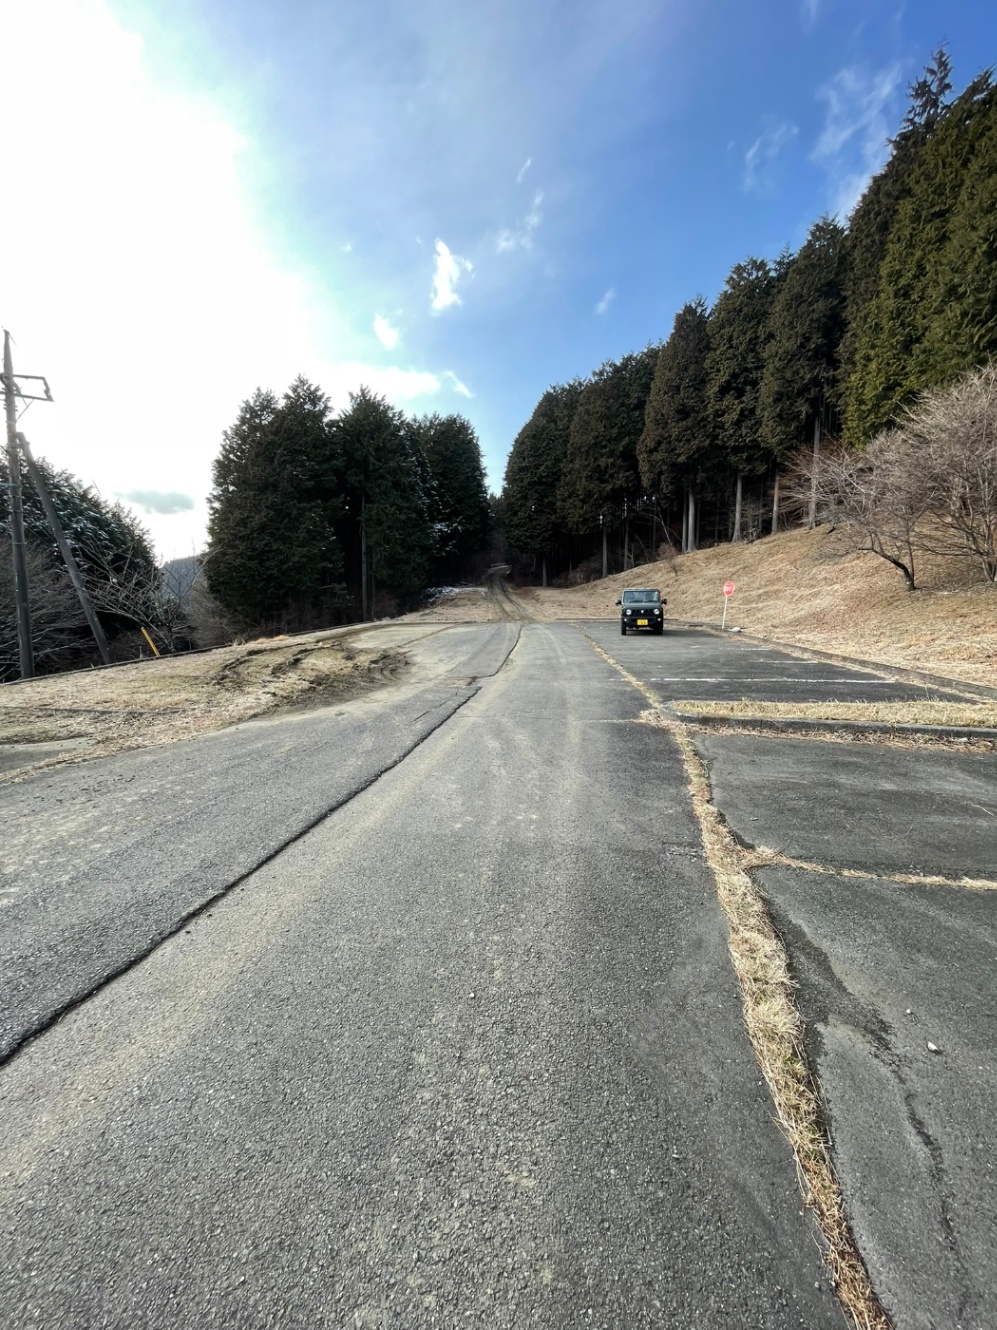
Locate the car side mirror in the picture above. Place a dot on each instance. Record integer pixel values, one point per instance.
(617, 602)
(664, 600)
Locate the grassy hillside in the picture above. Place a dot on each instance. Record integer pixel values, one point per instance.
(797, 587)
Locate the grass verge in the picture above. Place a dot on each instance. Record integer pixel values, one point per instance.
(178, 697)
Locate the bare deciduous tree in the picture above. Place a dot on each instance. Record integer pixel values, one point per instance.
(951, 437)
(57, 622)
(928, 486)
(875, 500)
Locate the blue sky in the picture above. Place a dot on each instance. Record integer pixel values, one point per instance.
(457, 203)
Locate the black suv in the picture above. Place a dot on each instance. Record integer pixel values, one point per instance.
(642, 609)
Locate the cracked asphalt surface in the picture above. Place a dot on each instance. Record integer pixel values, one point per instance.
(884, 967)
(417, 1011)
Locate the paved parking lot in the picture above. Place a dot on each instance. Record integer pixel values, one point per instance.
(897, 972)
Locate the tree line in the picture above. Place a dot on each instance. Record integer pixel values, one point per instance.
(690, 440)
(315, 519)
(116, 561)
(318, 518)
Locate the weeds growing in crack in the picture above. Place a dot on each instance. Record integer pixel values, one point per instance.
(775, 1028)
(776, 1031)
(760, 857)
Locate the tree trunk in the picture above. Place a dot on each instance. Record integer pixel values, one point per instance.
(775, 505)
(363, 559)
(685, 523)
(692, 522)
(543, 571)
(605, 551)
(737, 508)
(812, 515)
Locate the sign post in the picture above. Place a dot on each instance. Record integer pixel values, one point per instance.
(728, 592)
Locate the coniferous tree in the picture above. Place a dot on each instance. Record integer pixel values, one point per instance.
(600, 468)
(919, 329)
(675, 454)
(534, 470)
(962, 330)
(739, 330)
(798, 384)
(871, 222)
(389, 497)
(461, 517)
(113, 552)
(106, 540)
(272, 548)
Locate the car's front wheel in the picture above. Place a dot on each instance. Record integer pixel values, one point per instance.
(623, 630)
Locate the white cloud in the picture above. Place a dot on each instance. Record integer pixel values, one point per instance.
(390, 381)
(523, 169)
(761, 156)
(447, 272)
(144, 274)
(853, 143)
(810, 10)
(522, 237)
(456, 384)
(386, 334)
(606, 301)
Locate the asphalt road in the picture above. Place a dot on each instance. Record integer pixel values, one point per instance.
(467, 1052)
(418, 1011)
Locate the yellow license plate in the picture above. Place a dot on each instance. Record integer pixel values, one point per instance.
(641, 623)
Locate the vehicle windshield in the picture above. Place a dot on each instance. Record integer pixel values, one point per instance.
(642, 597)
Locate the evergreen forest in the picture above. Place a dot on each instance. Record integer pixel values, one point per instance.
(116, 561)
(318, 518)
(711, 436)
(851, 381)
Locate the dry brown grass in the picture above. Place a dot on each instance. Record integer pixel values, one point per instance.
(761, 857)
(890, 713)
(776, 1031)
(795, 588)
(160, 701)
(473, 605)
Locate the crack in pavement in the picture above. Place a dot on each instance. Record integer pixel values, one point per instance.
(760, 857)
(774, 1023)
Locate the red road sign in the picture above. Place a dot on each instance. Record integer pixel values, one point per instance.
(728, 588)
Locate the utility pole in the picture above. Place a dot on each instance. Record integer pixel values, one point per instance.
(16, 510)
(812, 514)
(363, 557)
(72, 567)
